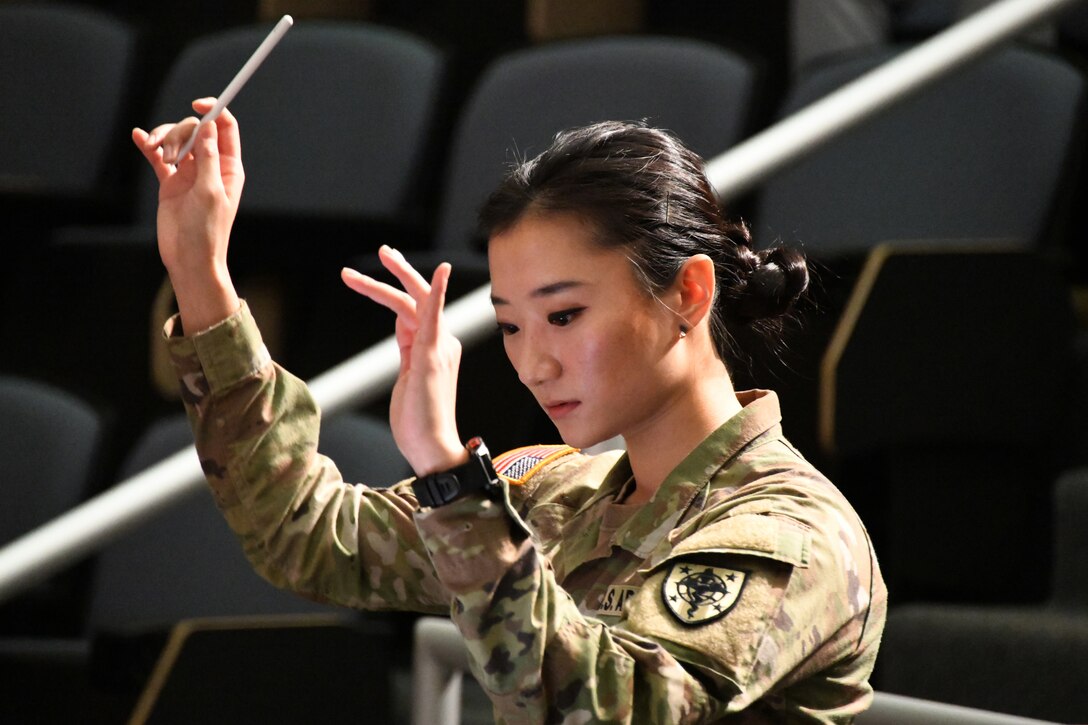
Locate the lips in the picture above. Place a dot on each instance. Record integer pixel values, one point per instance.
(561, 408)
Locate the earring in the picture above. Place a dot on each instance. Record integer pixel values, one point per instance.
(683, 331)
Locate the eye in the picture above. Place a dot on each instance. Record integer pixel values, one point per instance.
(564, 317)
(506, 328)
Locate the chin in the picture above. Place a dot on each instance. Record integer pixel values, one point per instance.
(583, 439)
(569, 437)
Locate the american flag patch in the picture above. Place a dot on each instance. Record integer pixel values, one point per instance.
(520, 463)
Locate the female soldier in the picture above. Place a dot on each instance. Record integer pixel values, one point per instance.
(708, 574)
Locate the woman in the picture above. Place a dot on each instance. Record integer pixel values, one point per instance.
(709, 574)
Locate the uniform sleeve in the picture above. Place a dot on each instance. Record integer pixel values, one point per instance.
(303, 528)
(541, 660)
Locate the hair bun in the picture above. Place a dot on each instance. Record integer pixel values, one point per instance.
(777, 277)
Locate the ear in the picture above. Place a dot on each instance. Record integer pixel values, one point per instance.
(693, 289)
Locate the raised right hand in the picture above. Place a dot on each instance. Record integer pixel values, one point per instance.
(198, 201)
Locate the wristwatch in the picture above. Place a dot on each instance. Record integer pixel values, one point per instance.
(476, 476)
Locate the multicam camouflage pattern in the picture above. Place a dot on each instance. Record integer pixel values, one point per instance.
(561, 593)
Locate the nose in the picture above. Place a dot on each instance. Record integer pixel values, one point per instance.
(534, 363)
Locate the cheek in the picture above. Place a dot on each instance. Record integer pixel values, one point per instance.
(609, 355)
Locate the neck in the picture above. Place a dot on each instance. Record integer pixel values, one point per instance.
(658, 446)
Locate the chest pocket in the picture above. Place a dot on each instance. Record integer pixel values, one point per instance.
(769, 537)
(716, 593)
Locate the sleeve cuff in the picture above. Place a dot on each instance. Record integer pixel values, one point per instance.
(219, 356)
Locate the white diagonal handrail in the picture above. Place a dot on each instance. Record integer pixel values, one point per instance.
(40, 553)
(747, 164)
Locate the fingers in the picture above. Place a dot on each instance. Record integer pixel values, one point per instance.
(416, 287)
(430, 311)
(413, 281)
(151, 152)
(230, 140)
(170, 137)
(206, 153)
(400, 302)
(416, 312)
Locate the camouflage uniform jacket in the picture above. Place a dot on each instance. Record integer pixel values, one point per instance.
(745, 591)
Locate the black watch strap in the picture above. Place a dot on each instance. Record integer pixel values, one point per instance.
(443, 487)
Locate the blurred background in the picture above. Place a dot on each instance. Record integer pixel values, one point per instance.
(937, 373)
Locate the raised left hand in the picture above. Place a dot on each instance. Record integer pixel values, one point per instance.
(422, 412)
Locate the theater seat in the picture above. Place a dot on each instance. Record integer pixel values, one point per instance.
(50, 448)
(945, 393)
(1027, 660)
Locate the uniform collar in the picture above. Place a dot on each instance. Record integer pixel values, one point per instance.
(689, 483)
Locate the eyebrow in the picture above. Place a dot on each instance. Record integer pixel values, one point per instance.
(545, 291)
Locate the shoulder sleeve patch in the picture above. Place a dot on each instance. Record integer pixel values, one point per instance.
(519, 465)
(697, 594)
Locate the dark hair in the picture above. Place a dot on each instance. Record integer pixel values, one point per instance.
(645, 191)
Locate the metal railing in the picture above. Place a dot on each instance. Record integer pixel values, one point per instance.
(749, 163)
(78, 533)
